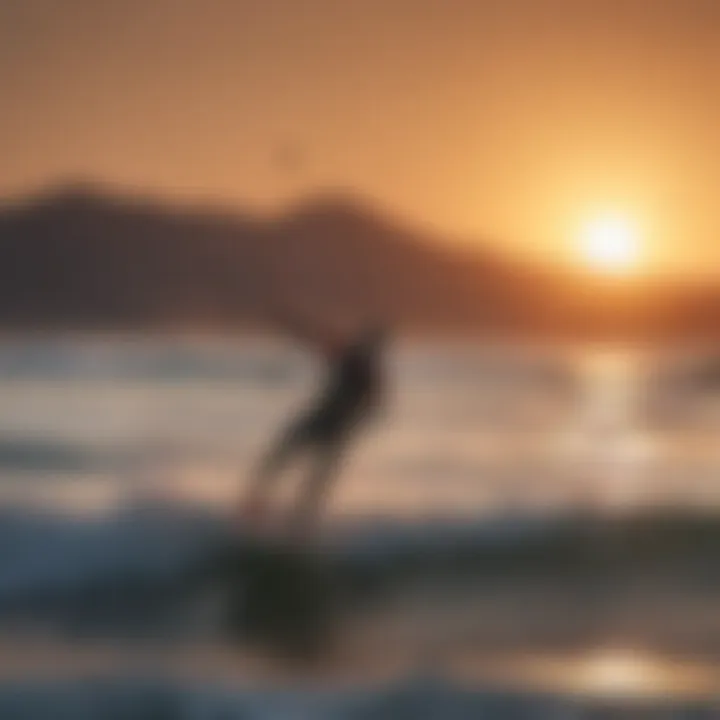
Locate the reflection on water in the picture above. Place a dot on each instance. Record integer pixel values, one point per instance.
(627, 672)
(612, 673)
(603, 437)
(605, 673)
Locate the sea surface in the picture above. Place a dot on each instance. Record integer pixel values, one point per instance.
(529, 532)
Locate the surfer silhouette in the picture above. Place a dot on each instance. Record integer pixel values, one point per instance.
(349, 398)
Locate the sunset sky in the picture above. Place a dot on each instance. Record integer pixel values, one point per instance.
(512, 120)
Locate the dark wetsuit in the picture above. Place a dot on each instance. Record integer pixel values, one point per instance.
(351, 395)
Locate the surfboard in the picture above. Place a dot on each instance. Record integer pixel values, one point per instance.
(281, 595)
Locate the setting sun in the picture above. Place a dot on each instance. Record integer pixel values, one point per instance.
(610, 244)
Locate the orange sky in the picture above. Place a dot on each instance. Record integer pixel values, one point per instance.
(513, 119)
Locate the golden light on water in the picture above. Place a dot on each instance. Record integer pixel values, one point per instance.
(611, 673)
(619, 672)
(610, 244)
(614, 673)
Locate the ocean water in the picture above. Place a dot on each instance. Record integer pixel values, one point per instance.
(527, 532)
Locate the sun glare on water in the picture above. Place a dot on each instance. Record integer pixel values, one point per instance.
(610, 244)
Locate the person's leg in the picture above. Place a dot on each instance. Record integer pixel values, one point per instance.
(291, 442)
(305, 514)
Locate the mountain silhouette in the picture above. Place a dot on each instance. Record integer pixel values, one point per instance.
(80, 257)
